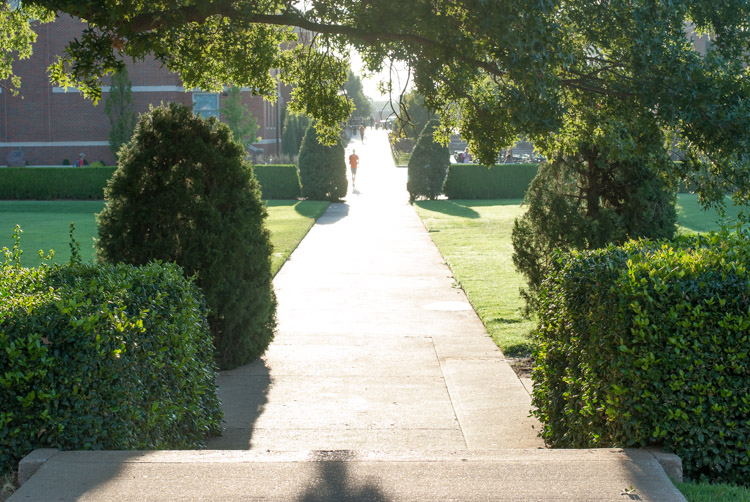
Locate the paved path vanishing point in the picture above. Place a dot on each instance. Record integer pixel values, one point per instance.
(381, 384)
(376, 347)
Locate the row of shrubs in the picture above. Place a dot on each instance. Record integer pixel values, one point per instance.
(47, 183)
(464, 181)
(87, 183)
(649, 344)
(103, 357)
(502, 181)
(279, 182)
(123, 354)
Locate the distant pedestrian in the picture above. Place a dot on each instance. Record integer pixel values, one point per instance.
(353, 164)
(79, 162)
(362, 133)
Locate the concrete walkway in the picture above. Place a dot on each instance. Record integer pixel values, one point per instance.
(376, 348)
(381, 384)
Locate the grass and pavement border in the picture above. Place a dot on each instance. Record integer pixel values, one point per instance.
(474, 237)
(45, 226)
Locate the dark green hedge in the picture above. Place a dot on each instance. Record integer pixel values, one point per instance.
(279, 182)
(649, 344)
(501, 181)
(45, 183)
(103, 357)
(82, 183)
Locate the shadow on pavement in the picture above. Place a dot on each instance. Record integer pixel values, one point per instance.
(335, 212)
(244, 394)
(334, 483)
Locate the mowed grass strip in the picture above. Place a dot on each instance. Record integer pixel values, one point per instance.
(692, 218)
(474, 237)
(45, 226)
(289, 221)
(705, 492)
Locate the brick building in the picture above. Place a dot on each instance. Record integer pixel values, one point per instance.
(44, 124)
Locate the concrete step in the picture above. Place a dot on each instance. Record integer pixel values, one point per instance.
(541, 474)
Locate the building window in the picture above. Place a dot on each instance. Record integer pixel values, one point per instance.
(206, 104)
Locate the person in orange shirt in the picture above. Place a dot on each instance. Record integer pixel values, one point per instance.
(353, 163)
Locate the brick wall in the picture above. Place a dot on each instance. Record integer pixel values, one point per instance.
(50, 125)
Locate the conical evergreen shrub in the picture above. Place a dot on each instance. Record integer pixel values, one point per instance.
(322, 169)
(428, 166)
(294, 129)
(182, 193)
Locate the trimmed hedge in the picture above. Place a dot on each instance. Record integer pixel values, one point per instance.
(103, 357)
(501, 181)
(279, 182)
(649, 344)
(45, 183)
(84, 183)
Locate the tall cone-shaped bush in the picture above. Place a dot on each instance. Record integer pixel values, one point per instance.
(322, 168)
(182, 193)
(428, 165)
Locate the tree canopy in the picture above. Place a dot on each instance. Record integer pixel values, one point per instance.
(119, 108)
(355, 92)
(493, 69)
(237, 116)
(413, 116)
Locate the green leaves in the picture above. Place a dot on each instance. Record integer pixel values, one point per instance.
(237, 116)
(428, 166)
(119, 108)
(182, 193)
(46, 183)
(79, 365)
(279, 182)
(322, 168)
(353, 89)
(493, 69)
(501, 181)
(658, 332)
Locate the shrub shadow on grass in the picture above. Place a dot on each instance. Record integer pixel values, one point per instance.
(306, 208)
(311, 209)
(448, 207)
(487, 202)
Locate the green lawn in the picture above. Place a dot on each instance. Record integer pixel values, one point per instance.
(45, 226)
(703, 492)
(474, 238)
(691, 218)
(289, 221)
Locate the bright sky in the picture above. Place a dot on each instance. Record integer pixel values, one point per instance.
(369, 84)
